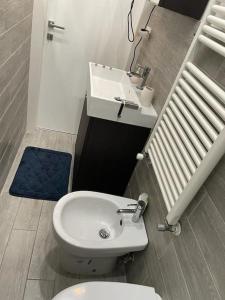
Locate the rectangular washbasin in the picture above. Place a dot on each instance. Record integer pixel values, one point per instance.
(105, 85)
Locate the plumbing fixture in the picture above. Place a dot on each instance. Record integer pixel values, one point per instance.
(130, 74)
(123, 260)
(52, 25)
(141, 156)
(119, 115)
(125, 103)
(127, 210)
(138, 43)
(144, 73)
(145, 33)
(175, 229)
(139, 209)
(104, 233)
(130, 34)
(139, 70)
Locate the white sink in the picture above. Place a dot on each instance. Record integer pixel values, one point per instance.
(105, 84)
(83, 219)
(79, 217)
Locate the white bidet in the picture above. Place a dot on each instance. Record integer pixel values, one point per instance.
(92, 235)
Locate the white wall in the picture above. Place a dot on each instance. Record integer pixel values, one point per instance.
(112, 47)
(37, 44)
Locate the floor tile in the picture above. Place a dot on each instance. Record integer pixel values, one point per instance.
(171, 271)
(209, 229)
(15, 264)
(8, 210)
(44, 262)
(28, 215)
(39, 290)
(197, 274)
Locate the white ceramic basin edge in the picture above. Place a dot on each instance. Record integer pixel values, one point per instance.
(106, 83)
(127, 236)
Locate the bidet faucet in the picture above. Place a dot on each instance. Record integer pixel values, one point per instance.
(139, 210)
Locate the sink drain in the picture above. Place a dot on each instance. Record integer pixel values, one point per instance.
(104, 234)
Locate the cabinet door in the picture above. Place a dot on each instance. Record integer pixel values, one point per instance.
(109, 156)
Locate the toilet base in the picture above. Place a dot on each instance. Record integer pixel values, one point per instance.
(87, 265)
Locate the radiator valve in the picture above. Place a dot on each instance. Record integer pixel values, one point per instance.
(175, 229)
(141, 156)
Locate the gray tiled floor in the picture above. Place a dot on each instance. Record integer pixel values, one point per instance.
(29, 267)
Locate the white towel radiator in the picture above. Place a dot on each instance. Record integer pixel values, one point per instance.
(189, 137)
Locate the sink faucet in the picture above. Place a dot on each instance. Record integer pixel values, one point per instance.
(139, 210)
(145, 71)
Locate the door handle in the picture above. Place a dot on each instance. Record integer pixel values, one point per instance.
(52, 25)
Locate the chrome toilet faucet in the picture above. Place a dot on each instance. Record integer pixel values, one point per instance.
(139, 209)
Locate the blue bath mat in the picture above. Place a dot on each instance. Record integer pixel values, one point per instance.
(42, 174)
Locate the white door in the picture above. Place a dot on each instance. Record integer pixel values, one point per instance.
(94, 31)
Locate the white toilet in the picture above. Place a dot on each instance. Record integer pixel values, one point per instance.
(107, 290)
(92, 235)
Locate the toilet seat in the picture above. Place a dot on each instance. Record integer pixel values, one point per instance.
(107, 290)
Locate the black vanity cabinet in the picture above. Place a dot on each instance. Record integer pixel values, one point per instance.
(105, 154)
(191, 8)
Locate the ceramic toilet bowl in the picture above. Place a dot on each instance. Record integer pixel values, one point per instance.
(91, 234)
(107, 290)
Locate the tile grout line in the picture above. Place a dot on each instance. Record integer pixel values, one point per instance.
(16, 211)
(159, 266)
(207, 265)
(181, 270)
(11, 103)
(48, 280)
(32, 252)
(17, 156)
(14, 52)
(6, 149)
(13, 99)
(36, 235)
(12, 228)
(196, 206)
(164, 281)
(25, 145)
(10, 234)
(15, 73)
(166, 247)
(54, 285)
(213, 204)
(20, 229)
(211, 200)
(27, 139)
(16, 24)
(28, 265)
